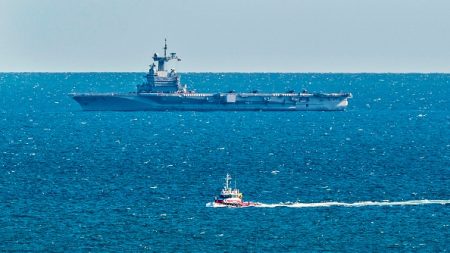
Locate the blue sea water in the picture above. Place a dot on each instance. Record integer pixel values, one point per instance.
(136, 181)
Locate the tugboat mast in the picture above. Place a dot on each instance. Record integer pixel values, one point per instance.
(227, 182)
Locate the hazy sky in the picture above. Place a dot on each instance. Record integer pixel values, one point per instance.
(226, 35)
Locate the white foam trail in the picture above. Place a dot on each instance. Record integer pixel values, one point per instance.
(355, 204)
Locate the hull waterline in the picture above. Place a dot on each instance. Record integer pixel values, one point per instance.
(212, 102)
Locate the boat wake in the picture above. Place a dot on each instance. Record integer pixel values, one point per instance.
(344, 204)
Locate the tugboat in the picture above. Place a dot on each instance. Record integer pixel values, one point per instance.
(162, 91)
(231, 197)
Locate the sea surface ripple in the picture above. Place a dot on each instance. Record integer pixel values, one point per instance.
(372, 178)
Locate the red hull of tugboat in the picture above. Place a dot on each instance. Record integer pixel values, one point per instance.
(243, 204)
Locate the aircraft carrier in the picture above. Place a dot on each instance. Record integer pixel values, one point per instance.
(162, 91)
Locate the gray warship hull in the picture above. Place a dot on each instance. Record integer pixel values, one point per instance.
(212, 101)
(163, 91)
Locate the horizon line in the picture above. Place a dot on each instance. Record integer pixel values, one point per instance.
(218, 72)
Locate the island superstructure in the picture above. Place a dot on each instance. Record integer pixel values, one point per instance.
(163, 91)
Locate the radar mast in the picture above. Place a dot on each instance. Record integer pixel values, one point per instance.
(163, 59)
